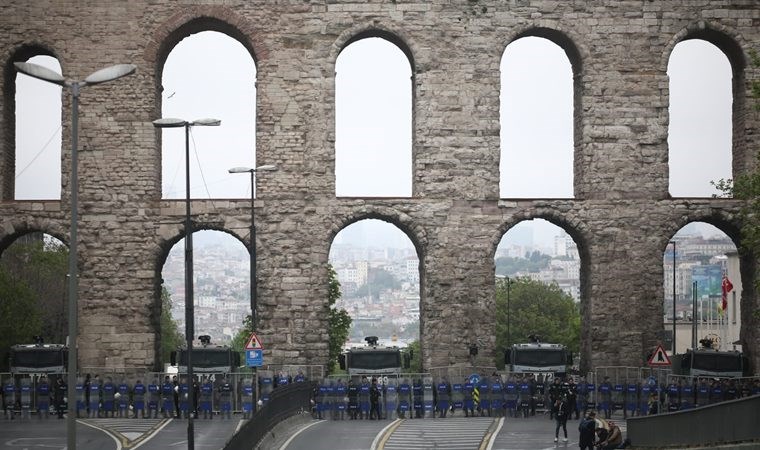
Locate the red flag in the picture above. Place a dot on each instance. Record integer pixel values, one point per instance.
(726, 287)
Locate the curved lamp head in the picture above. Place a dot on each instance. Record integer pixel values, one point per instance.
(110, 73)
(40, 72)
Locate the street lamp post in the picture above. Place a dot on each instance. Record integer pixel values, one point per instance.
(674, 296)
(101, 76)
(509, 312)
(252, 171)
(189, 298)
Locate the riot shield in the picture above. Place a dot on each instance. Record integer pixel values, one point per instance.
(457, 398)
(404, 398)
(497, 398)
(428, 397)
(266, 382)
(340, 398)
(81, 405)
(391, 398)
(25, 397)
(248, 398)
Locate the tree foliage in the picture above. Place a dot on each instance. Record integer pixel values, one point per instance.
(535, 308)
(533, 262)
(339, 320)
(239, 341)
(171, 338)
(416, 362)
(33, 293)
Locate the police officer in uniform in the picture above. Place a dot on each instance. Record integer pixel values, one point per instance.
(247, 397)
(605, 397)
(444, 390)
(43, 398)
(9, 397)
(139, 399)
(339, 403)
(404, 391)
(167, 398)
(154, 397)
(81, 404)
(123, 403)
(94, 396)
(469, 403)
(353, 403)
(225, 398)
(109, 393)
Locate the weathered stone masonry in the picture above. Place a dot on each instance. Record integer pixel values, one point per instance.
(621, 216)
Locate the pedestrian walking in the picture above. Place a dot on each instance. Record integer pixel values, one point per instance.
(561, 412)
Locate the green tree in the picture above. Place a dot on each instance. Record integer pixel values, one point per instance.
(535, 308)
(171, 338)
(41, 265)
(241, 338)
(339, 321)
(416, 363)
(21, 318)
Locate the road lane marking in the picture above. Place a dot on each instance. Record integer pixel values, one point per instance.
(285, 445)
(491, 439)
(382, 437)
(116, 439)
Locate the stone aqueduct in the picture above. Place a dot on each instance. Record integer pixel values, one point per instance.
(621, 215)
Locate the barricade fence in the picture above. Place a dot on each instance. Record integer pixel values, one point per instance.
(124, 392)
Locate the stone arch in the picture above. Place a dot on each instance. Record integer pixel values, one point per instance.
(732, 45)
(195, 19)
(415, 232)
(8, 158)
(731, 226)
(580, 235)
(345, 40)
(576, 54)
(160, 254)
(402, 221)
(16, 229)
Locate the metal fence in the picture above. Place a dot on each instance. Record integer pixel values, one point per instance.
(284, 402)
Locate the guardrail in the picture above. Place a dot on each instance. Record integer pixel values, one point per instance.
(285, 401)
(732, 421)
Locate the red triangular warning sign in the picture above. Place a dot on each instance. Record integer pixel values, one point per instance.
(254, 343)
(659, 357)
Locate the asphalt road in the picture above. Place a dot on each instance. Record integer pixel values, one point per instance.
(117, 434)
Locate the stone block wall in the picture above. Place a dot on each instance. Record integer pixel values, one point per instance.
(621, 215)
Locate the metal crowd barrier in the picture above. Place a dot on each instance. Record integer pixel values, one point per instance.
(284, 402)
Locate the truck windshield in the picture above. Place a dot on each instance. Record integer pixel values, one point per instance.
(38, 358)
(717, 362)
(375, 360)
(539, 358)
(207, 357)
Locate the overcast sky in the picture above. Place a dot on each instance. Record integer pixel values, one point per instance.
(212, 75)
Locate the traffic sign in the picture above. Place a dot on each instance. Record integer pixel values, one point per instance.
(659, 358)
(254, 343)
(254, 358)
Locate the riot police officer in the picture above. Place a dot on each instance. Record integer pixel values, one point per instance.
(9, 397)
(444, 391)
(167, 398)
(353, 404)
(43, 398)
(605, 397)
(109, 393)
(94, 396)
(123, 403)
(139, 399)
(225, 398)
(154, 397)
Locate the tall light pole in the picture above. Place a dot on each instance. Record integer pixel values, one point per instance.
(674, 296)
(252, 171)
(189, 299)
(101, 76)
(509, 313)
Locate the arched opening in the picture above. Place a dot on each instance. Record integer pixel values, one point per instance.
(209, 75)
(706, 306)
(537, 123)
(221, 290)
(33, 292)
(38, 135)
(700, 128)
(378, 269)
(538, 293)
(373, 120)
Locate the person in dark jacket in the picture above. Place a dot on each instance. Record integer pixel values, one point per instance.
(561, 411)
(587, 429)
(58, 395)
